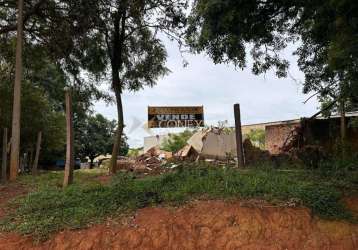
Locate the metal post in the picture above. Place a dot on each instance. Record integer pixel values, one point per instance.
(4, 157)
(239, 146)
(68, 178)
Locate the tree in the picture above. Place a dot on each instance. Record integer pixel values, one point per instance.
(257, 137)
(134, 152)
(128, 30)
(96, 138)
(175, 142)
(37, 115)
(327, 32)
(68, 53)
(329, 57)
(15, 129)
(227, 29)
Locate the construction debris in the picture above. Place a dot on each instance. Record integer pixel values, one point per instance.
(187, 153)
(214, 143)
(149, 163)
(214, 146)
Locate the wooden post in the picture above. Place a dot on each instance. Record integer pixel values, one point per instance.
(15, 130)
(37, 155)
(4, 157)
(68, 178)
(239, 146)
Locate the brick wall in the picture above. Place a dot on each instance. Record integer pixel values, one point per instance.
(276, 136)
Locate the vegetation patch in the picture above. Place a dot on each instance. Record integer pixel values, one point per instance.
(51, 208)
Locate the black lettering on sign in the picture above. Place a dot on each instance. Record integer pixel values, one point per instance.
(175, 117)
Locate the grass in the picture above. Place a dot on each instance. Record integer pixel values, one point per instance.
(51, 208)
(55, 178)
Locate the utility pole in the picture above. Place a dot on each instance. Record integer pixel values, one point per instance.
(68, 178)
(37, 154)
(15, 130)
(4, 157)
(239, 146)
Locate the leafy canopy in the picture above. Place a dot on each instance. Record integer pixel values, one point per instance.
(327, 31)
(96, 137)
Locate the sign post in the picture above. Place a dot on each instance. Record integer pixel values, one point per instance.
(239, 146)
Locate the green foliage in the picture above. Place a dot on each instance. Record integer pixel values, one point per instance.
(71, 46)
(257, 137)
(353, 122)
(134, 152)
(52, 209)
(124, 38)
(175, 142)
(43, 85)
(95, 137)
(37, 115)
(327, 32)
(226, 29)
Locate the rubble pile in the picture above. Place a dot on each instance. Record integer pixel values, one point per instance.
(149, 163)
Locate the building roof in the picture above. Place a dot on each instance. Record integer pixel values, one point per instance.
(294, 121)
(348, 114)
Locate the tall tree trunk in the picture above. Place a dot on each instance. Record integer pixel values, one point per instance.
(119, 132)
(4, 157)
(37, 155)
(70, 161)
(116, 63)
(31, 157)
(15, 142)
(343, 127)
(91, 162)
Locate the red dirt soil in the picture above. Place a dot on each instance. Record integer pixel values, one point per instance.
(205, 225)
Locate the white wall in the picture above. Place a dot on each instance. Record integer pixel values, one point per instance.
(154, 141)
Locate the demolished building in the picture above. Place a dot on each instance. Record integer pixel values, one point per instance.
(214, 143)
(323, 132)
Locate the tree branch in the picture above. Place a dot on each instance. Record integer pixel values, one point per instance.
(27, 16)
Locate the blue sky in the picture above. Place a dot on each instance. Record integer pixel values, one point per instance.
(263, 98)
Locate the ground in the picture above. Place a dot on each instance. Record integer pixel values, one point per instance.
(9, 192)
(201, 223)
(205, 225)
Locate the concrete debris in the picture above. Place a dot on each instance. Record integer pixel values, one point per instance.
(214, 143)
(149, 163)
(188, 152)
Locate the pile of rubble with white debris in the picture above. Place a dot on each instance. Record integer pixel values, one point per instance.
(211, 143)
(214, 146)
(218, 147)
(150, 163)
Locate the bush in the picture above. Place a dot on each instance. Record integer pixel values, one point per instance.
(257, 137)
(175, 142)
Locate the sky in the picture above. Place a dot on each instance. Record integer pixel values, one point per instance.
(262, 98)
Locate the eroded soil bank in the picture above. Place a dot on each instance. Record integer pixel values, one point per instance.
(205, 225)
